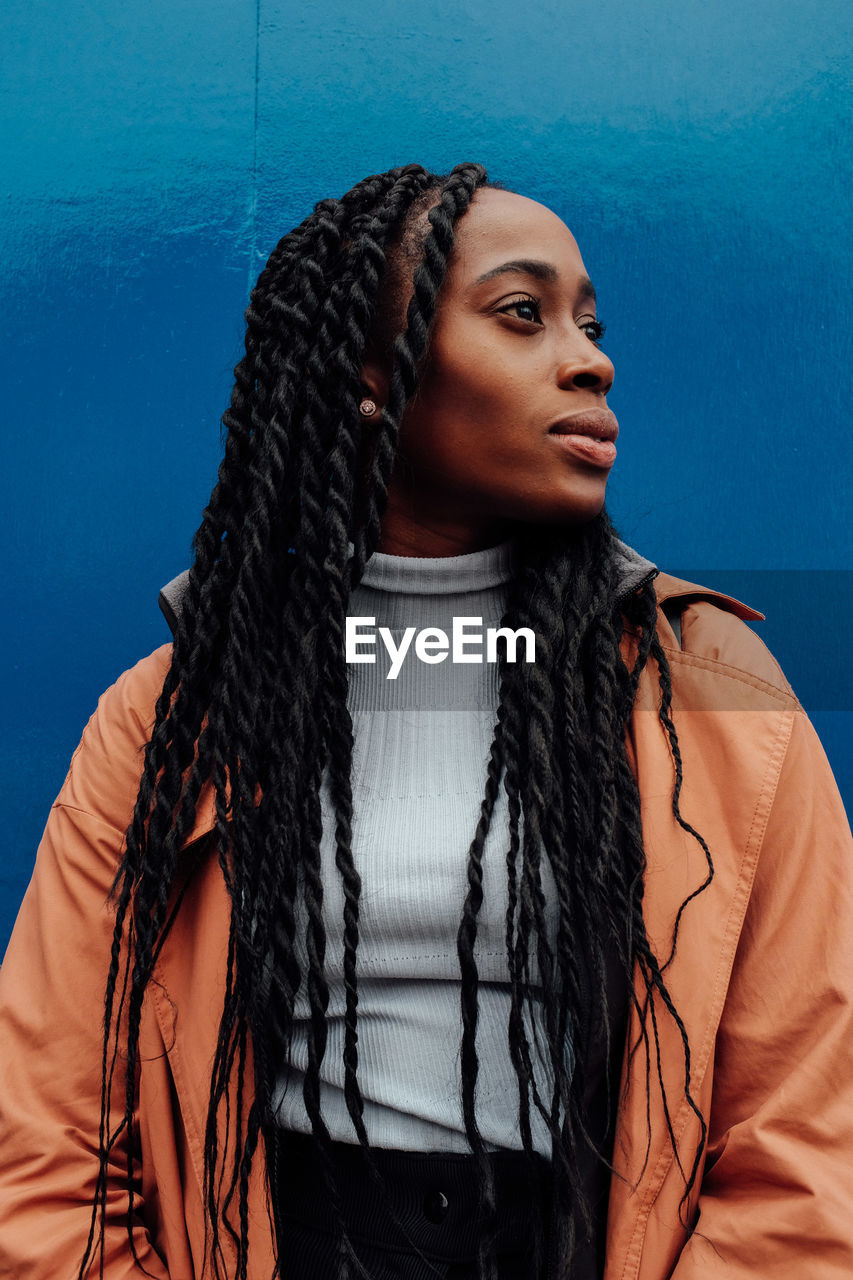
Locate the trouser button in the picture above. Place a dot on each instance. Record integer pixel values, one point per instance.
(436, 1205)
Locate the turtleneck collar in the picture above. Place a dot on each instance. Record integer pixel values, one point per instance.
(441, 575)
(447, 576)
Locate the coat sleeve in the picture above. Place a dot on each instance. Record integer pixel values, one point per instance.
(52, 987)
(777, 1193)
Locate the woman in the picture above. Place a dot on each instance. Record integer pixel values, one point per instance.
(352, 1028)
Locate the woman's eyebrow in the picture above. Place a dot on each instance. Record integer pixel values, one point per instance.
(539, 270)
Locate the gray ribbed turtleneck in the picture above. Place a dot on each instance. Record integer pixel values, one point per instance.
(421, 751)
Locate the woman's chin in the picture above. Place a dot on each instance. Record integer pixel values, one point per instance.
(579, 507)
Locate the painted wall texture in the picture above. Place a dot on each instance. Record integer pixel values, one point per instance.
(155, 154)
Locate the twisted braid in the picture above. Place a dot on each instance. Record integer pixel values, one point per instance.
(255, 705)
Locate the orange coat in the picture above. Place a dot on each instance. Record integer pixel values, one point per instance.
(762, 975)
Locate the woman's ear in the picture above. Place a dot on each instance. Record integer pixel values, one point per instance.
(374, 386)
(375, 380)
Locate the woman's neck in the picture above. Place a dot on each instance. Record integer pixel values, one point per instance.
(411, 533)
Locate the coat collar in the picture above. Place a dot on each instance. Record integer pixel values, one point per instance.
(634, 572)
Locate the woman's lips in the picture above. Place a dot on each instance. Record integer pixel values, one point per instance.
(590, 435)
(601, 453)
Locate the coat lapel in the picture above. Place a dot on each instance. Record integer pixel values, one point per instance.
(727, 728)
(191, 971)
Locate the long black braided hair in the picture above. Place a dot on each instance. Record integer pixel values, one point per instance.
(254, 703)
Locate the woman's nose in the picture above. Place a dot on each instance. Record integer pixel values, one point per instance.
(585, 365)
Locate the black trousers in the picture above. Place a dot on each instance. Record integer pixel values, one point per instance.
(420, 1224)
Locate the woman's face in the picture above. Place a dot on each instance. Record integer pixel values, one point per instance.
(510, 421)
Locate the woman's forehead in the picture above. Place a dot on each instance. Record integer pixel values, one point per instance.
(502, 224)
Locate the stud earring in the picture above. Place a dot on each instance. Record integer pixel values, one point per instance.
(367, 408)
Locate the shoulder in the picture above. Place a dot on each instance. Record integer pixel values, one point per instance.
(703, 630)
(105, 771)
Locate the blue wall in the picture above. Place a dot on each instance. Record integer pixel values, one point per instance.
(155, 154)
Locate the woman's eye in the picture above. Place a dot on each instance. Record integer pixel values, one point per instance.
(594, 330)
(525, 308)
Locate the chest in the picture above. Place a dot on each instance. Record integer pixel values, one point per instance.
(418, 783)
